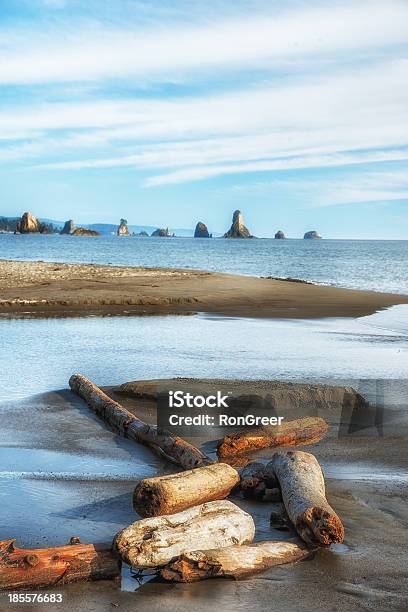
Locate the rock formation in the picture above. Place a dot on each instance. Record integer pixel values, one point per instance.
(28, 224)
(69, 227)
(163, 233)
(280, 235)
(82, 231)
(201, 231)
(312, 235)
(238, 229)
(123, 228)
(142, 234)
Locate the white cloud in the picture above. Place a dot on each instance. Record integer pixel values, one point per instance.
(94, 51)
(345, 187)
(324, 161)
(323, 122)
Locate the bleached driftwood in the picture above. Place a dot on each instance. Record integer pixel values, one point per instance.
(303, 491)
(153, 542)
(176, 492)
(307, 430)
(232, 562)
(44, 567)
(173, 448)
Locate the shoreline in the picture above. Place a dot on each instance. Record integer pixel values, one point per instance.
(373, 509)
(46, 289)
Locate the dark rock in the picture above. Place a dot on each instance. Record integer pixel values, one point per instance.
(69, 227)
(82, 231)
(201, 231)
(162, 233)
(28, 224)
(280, 235)
(312, 235)
(142, 234)
(123, 228)
(238, 229)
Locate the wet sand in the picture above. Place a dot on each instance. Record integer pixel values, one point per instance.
(366, 481)
(53, 289)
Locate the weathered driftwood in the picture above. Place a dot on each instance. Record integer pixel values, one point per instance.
(175, 449)
(303, 491)
(153, 542)
(44, 567)
(176, 492)
(232, 562)
(290, 433)
(259, 482)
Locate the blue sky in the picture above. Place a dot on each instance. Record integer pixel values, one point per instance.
(170, 112)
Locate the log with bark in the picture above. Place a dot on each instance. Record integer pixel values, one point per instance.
(173, 448)
(176, 492)
(307, 430)
(45, 567)
(235, 562)
(303, 491)
(153, 542)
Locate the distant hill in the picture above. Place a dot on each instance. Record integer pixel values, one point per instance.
(111, 228)
(8, 224)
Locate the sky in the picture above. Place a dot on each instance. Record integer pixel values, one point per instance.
(167, 112)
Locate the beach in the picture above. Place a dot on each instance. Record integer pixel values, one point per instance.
(56, 320)
(89, 493)
(57, 289)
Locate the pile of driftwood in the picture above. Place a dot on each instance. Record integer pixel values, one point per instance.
(190, 531)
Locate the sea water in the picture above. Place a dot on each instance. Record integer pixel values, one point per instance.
(380, 265)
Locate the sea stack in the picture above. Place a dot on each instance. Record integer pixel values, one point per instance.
(238, 229)
(123, 228)
(162, 232)
(83, 231)
(312, 235)
(69, 227)
(28, 224)
(280, 235)
(201, 230)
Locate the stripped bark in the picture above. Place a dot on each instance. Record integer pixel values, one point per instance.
(303, 491)
(44, 567)
(173, 448)
(176, 492)
(232, 562)
(300, 431)
(153, 542)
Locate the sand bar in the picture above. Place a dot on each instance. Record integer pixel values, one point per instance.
(59, 289)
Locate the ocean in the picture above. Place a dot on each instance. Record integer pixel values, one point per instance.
(379, 265)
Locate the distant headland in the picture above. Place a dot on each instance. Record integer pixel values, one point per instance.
(29, 224)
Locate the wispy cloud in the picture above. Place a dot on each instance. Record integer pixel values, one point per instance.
(262, 87)
(92, 51)
(341, 188)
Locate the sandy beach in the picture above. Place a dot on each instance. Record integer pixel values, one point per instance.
(56, 289)
(366, 572)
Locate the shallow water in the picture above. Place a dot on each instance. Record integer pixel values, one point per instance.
(361, 264)
(39, 355)
(52, 448)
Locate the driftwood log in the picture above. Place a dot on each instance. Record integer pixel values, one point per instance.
(153, 542)
(173, 448)
(258, 481)
(45, 567)
(232, 562)
(303, 492)
(176, 492)
(290, 433)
